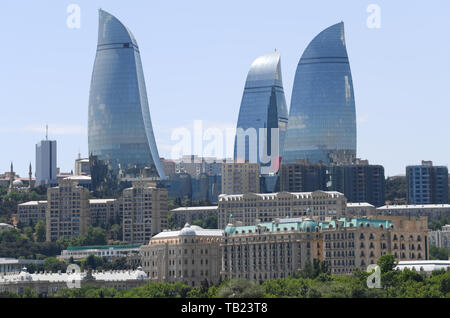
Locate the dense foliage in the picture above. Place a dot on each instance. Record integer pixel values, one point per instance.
(314, 282)
(9, 201)
(395, 190)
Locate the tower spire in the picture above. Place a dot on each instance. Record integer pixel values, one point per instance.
(46, 132)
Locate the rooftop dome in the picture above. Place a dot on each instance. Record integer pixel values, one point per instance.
(140, 274)
(17, 183)
(187, 230)
(308, 226)
(24, 275)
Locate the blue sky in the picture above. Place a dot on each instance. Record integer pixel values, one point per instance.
(196, 55)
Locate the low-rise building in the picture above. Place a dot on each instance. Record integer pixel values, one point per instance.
(5, 226)
(191, 256)
(426, 267)
(432, 211)
(109, 253)
(44, 283)
(440, 238)
(360, 209)
(183, 215)
(13, 265)
(31, 212)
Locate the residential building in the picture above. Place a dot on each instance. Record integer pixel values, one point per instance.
(144, 212)
(238, 178)
(190, 255)
(68, 213)
(104, 211)
(359, 181)
(31, 212)
(302, 176)
(427, 184)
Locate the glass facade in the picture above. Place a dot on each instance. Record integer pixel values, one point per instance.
(120, 128)
(322, 119)
(262, 118)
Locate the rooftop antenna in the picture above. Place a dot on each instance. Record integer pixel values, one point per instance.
(46, 132)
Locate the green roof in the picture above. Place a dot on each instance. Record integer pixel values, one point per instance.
(305, 225)
(102, 247)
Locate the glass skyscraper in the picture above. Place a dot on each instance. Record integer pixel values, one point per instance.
(262, 118)
(322, 119)
(120, 128)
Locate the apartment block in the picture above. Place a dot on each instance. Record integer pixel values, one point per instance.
(68, 212)
(238, 178)
(144, 208)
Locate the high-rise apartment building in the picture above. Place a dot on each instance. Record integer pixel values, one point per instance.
(46, 163)
(322, 118)
(303, 176)
(239, 178)
(359, 182)
(262, 121)
(144, 212)
(120, 133)
(68, 212)
(427, 184)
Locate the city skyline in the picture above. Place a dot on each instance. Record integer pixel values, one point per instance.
(379, 88)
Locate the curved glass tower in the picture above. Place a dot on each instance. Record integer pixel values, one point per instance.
(262, 118)
(322, 119)
(120, 128)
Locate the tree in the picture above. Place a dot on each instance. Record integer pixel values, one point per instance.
(387, 263)
(240, 288)
(40, 230)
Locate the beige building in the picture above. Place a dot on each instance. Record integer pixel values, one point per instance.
(360, 209)
(31, 212)
(432, 211)
(104, 211)
(68, 213)
(183, 215)
(252, 208)
(238, 178)
(280, 248)
(271, 250)
(440, 238)
(144, 208)
(191, 256)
